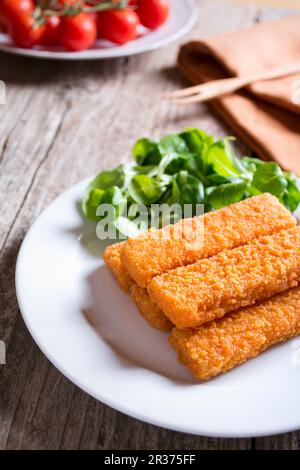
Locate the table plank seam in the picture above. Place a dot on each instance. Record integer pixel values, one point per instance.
(39, 166)
(7, 138)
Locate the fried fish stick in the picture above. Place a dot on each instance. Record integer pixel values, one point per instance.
(149, 310)
(112, 258)
(206, 290)
(220, 345)
(158, 251)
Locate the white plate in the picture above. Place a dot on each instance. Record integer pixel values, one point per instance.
(90, 330)
(183, 17)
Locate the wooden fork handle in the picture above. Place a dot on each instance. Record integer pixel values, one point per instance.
(217, 88)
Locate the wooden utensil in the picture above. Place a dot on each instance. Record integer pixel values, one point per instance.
(217, 88)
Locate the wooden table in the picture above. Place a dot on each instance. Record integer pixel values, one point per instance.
(63, 122)
(273, 3)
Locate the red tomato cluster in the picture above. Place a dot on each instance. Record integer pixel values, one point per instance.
(80, 31)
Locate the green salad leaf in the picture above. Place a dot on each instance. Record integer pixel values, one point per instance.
(172, 144)
(291, 195)
(107, 179)
(223, 161)
(269, 178)
(145, 152)
(145, 190)
(226, 194)
(191, 189)
(190, 167)
(91, 202)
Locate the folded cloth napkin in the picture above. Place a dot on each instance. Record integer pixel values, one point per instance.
(266, 114)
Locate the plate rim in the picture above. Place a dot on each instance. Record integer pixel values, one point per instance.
(115, 52)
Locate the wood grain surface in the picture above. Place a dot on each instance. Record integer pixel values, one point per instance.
(273, 3)
(63, 122)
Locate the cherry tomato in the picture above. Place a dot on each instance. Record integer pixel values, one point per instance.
(3, 23)
(24, 32)
(119, 26)
(50, 35)
(93, 14)
(153, 13)
(64, 3)
(77, 32)
(9, 9)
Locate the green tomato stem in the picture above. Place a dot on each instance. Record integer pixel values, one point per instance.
(73, 10)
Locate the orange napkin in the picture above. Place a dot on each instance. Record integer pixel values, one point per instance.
(265, 114)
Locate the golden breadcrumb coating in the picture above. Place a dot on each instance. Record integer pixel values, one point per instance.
(112, 258)
(220, 345)
(150, 311)
(206, 290)
(153, 253)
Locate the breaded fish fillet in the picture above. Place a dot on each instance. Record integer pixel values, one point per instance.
(157, 251)
(220, 345)
(149, 310)
(206, 290)
(112, 258)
